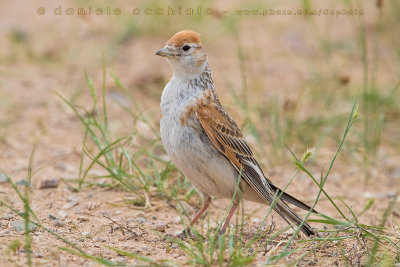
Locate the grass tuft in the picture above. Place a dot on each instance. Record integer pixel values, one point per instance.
(14, 246)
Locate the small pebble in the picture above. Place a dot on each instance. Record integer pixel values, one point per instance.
(60, 166)
(72, 198)
(160, 226)
(7, 216)
(22, 182)
(52, 217)
(37, 254)
(99, 239)
(49, 183)
(176, 233)
(83, 219)
(86, 234)
(5, 233)
(19, 225)
(58, 223)
(71, 204)
(62, 214)
(177, 219)
(255, 220)
(140, 220)
(140, 214)
(3, 178)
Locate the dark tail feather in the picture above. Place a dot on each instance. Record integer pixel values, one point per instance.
(292, 200)
(290, 216)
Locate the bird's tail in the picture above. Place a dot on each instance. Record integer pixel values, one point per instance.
(291, 217)
(306, 228)
(290, 199)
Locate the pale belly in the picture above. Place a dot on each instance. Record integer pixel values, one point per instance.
(199, 160)
(194, 154)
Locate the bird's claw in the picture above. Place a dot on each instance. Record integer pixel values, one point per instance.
(186, 233)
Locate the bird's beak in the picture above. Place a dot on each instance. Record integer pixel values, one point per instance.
(164, 52)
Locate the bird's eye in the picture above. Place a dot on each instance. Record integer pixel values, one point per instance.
(186, 48)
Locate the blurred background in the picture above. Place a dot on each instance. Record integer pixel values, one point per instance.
(288, 80)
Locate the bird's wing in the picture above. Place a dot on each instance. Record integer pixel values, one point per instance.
(228, 139)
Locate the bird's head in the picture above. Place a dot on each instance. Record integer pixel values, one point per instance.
(185, 53)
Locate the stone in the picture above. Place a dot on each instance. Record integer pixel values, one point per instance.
(140, 214)
(7, 216)
(71, 204)
(87, 234)
(83, 219)
(160, 226)
(72, 198)
(49, 183)
(52, 217)
(140, 220)
(99, 239)
(37, 254)
(62, 214)
(58, 223)
(3, 178)
(22, 182)
(19, 226)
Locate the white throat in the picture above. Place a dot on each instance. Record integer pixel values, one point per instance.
(187, 70)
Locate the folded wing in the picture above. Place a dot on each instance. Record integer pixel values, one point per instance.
(228, 139)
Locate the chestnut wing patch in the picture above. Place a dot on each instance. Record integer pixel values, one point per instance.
(228, 139)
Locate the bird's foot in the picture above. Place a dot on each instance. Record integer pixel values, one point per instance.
(222, 232)
(186, 233)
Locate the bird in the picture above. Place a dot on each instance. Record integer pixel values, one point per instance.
(205, 143)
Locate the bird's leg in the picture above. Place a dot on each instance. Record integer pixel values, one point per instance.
(231, 212)
(206, 204)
